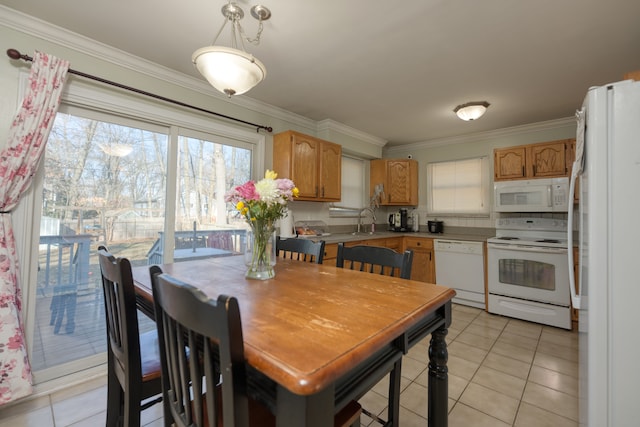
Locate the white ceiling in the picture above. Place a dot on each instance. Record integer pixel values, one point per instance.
(391, 69)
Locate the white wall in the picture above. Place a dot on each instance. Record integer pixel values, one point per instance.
(477, 145)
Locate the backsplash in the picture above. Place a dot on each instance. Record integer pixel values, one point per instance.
(311, 211)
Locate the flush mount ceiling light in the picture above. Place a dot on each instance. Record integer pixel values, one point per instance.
(232, 70)
(471, 110)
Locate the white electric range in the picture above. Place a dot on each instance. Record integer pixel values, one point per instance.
(527, 271)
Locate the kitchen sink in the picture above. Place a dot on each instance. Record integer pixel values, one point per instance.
(363, 233)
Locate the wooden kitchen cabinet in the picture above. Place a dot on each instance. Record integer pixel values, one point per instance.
(549, 160)
(314, 165)
(330, 253)
(542, 160)
(400, 180)
(510, 163)
(424, 266)
(394, 243)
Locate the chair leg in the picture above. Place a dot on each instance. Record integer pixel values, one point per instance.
(55, 308)
(115, 397)
(394, 394)
(166, 407)
(70, 309)
(131, 411)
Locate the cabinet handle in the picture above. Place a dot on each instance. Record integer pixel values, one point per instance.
(418, 244)
(322, 191)
(316, 191)
(523, 174)
(534, 170)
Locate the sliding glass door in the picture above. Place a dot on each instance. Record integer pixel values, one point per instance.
(104, 184)
(151, 193)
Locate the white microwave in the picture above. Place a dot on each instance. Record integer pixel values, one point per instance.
(532, 195)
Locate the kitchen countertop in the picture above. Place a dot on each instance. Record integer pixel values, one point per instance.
(460, 233)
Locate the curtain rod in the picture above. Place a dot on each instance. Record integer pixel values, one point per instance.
(15, 54)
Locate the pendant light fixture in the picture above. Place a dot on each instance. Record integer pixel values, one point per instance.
(471, 110)
(232, 70)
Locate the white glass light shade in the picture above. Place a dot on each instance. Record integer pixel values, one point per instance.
(471, 111)
(229, 70)
(116, 149)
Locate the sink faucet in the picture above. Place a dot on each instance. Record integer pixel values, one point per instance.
(372, 211)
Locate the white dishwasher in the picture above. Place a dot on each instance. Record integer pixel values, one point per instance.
(460, 265)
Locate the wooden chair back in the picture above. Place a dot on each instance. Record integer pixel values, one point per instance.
(300, 249)
(191, 324)
(375, 259)
(133, 374)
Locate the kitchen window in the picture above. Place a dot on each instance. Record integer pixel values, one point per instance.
(353, 178)
(459, 187)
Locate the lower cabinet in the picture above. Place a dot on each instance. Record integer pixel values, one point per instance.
(394, 243)
(330, 254)
(424, 266)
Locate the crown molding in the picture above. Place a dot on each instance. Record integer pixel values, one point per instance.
(35, 27)
(332, 125)
(497, 133)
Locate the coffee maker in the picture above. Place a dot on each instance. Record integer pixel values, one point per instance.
(399, 221)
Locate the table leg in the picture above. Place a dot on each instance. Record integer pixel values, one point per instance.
(438, 399)
(316, 410)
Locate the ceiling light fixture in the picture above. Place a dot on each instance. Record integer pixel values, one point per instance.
(116, 149)
(471, 110)
(232, 70)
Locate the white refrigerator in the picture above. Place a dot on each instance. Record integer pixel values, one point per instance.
(607, 228)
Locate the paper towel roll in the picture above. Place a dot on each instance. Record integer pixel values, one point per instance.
(286, 225)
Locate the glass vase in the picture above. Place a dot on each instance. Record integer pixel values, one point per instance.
(260, 254)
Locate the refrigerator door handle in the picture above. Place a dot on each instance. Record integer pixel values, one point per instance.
(575, 296)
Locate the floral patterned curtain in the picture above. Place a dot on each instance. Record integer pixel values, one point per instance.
(18, 163)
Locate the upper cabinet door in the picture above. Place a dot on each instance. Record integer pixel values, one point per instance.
(304, 168)
(400, 180)
(314, 165)
(330, 171)
(510, 163)
(548, 160)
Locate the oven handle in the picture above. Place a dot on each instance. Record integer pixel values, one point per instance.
(537, 249)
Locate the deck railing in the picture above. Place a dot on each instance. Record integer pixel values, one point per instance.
(66, 275)
(193, 244)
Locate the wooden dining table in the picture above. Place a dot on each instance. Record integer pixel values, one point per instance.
(318, 336)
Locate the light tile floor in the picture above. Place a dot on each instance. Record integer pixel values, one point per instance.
(502, 372)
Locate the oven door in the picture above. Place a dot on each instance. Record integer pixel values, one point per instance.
(528, 272)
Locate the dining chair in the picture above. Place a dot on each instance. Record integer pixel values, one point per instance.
(375, 259)
(196, 389)
(133, 358)
(300, 249)
(386, 261)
